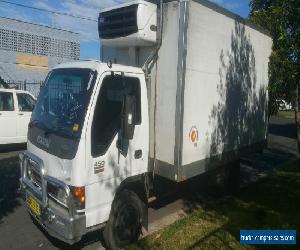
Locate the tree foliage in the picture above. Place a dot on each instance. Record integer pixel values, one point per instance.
(282, 19)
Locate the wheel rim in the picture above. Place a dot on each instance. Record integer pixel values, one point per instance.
(127, 224)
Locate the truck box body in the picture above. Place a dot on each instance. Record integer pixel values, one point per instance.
(208, 88)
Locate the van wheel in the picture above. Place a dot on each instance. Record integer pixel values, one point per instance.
(125, 221)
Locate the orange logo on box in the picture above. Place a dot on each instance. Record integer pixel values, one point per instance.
(193, 135)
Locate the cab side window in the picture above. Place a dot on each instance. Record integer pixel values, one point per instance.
(108, 111)
(26, 102)
(6, 101)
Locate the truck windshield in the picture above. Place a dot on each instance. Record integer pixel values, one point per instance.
(62, 103)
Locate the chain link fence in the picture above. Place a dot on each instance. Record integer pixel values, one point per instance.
(32, 87)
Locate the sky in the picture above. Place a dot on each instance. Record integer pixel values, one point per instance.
(88, 30)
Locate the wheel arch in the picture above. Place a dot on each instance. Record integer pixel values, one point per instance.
(138, 185)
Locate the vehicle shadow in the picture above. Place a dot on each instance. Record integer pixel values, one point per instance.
(269, 202)
(12, 147)
(265, 204)
(286, 130)
(9, 184)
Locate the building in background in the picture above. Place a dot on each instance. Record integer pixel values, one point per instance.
(28, 51)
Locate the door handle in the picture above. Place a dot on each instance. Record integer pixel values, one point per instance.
(138, 154)
(21, 114)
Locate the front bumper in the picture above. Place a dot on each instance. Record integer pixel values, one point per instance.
(57, 223)
(61, 223)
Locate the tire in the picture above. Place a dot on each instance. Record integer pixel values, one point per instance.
(125, 221)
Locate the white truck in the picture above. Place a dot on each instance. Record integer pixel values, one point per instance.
(181, 90)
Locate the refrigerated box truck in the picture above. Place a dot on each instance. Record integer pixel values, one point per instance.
(181, 90)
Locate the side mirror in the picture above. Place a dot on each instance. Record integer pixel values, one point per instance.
(129, 116)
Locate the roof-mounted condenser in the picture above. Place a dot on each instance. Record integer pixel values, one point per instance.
(129, 25)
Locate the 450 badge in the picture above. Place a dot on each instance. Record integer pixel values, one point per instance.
(99, 167)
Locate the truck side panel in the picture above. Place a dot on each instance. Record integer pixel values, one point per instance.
(166, 86)
(225, 95)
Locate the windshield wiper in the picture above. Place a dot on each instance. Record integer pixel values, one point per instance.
(40, 125)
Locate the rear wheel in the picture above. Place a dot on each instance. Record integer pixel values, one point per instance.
(125, 221)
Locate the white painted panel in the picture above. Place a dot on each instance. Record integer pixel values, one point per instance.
(8, 118)
(8, 121)
(167, 85)
(226, 84)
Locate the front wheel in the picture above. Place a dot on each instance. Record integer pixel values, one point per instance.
(125, 221)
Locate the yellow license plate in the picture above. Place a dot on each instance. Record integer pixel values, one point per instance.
(33, 205)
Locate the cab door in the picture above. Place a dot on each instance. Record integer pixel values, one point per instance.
(8, 118)
(113, 156)
(26, 105)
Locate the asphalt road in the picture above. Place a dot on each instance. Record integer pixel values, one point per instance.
(18, 232)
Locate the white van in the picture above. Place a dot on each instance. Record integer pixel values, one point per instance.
(16, 107)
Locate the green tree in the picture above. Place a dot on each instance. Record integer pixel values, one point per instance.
(282, 19)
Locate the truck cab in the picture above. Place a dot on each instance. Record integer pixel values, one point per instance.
(87, 144)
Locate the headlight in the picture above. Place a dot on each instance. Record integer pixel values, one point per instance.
(62, 196)
(57, 194)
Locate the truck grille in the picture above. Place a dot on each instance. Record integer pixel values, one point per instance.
(33, 174)
(118, 23)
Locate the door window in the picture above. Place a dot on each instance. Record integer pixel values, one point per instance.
(26, 102)
(108, 111)
(6, 101)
